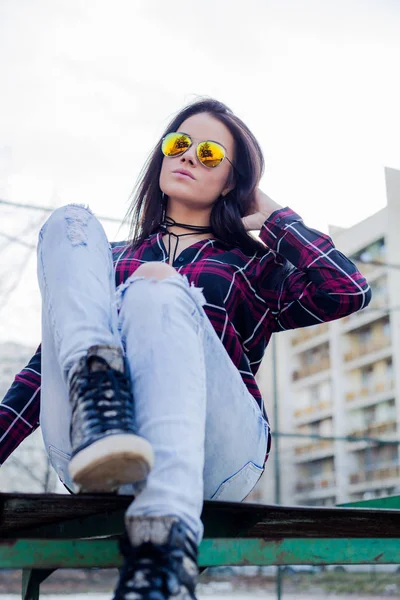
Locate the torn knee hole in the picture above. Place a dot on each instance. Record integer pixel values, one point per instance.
(77, 217)
(155, 270)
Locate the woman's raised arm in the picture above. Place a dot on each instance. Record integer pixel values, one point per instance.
(304, 279)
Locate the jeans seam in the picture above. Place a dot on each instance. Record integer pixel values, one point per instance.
(48, 302)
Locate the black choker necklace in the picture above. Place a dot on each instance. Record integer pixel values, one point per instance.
(169, 222)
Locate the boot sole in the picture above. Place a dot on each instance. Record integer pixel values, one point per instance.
(110, 462)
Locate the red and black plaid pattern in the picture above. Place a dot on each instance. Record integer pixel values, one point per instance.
(300, 279)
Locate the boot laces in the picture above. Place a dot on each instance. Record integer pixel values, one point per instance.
(105, 394)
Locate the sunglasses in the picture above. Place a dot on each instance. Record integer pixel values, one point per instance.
(211, 154)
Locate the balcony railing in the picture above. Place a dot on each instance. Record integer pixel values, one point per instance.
(313, 447)
(307, 370)
(322, 482)
(375, 388)
(373, 345)
(375, 429)
(306, 333)
(311, 410)
(369, 267)
(384, 472)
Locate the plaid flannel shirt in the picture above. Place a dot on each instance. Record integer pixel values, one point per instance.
(300, 279)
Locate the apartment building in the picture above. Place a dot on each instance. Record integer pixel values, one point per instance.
(343, 379)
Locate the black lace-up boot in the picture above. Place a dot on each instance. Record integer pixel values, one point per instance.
(106, 452)
(160, 560)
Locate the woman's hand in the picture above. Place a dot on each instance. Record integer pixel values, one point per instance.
(264, 206)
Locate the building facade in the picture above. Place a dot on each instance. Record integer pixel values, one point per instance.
(342, 379)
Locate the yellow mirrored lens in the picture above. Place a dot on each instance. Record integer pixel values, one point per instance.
(210, 154)
(175, 144)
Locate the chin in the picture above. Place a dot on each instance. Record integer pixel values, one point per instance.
(178, 192)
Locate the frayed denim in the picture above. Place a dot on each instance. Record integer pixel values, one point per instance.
(207, 431)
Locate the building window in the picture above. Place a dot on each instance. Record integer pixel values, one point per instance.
(367, 376)
(389, 369)
(386, 329)
(365, 335)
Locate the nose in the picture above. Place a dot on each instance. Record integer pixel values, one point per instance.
(189, 156)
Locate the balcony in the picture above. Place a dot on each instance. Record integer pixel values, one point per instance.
(314, 450)
(374, 345)
(375, 429)
(314, 412)
(307, 485)
(307, 333)
(374, 267)
(377, 388)
(386, 471)
(306, 370)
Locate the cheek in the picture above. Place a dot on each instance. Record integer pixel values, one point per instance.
(220, 177)
(163, 173)
(211, 182)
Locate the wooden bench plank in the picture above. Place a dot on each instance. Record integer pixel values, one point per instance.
(27, 512)
(23, 512)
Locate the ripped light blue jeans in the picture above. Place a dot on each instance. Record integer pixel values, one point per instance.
(207, 431)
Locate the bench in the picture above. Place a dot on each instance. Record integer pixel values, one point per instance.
(40, 533)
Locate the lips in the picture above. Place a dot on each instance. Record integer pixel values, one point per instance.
(183, 172)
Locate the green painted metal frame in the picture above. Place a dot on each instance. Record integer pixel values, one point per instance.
(31, 580)
(104, 553)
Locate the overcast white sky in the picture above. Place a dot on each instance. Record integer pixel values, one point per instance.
(88, 86)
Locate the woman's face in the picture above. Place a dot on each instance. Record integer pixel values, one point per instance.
(204, 185)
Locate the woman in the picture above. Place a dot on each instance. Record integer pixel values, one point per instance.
(150, 348)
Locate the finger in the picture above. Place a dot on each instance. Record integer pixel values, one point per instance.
(245, 223)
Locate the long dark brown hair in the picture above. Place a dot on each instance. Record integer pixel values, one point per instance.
(146, 210)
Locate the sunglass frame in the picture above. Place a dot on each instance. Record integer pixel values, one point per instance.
(197, 147)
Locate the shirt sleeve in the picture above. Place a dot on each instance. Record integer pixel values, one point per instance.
(303, 278)
(20, 408)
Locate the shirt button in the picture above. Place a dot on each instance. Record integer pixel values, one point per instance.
(278, 220)
(180, 259)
